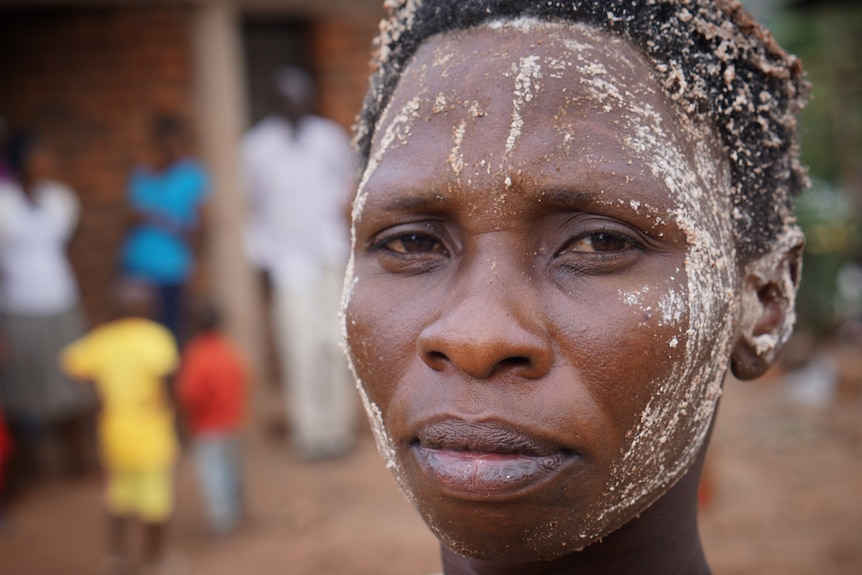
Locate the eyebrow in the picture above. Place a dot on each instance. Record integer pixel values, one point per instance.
(568, 198)
(415, 202)
(558, 198)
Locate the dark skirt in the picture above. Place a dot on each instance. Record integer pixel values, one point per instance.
(32, 387)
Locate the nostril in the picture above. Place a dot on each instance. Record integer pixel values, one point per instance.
(436, 358)
(519, 360)
(516, 361)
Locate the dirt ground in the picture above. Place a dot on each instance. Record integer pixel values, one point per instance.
(786, 482)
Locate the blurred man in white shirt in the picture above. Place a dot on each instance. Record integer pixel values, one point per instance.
(299, 176)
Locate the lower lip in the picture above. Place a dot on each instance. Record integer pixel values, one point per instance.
(487, 475)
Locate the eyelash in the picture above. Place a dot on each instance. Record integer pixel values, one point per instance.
(631, 242)
(385, 241)
(410, 262)
(429, 256)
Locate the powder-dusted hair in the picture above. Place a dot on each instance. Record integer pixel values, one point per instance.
(712, 58)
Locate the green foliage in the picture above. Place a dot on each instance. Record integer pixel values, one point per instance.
(828, 39)
(832, 228)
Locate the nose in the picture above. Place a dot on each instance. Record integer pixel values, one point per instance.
(490, 329)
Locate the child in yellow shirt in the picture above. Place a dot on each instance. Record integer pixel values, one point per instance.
(128, 360)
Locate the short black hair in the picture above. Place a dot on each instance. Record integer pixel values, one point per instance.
(168, 126)
(19, 148)
(711, 57)
(207, 316)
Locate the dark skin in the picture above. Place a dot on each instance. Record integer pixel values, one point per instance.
(135, 301)
(641, 546)
(38, 166)
(514, 241)
(296, 103)
(169, 148)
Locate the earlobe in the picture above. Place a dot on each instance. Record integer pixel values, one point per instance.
(768, 306)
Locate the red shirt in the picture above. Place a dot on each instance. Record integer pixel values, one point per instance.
(211, 384)
(5, 447)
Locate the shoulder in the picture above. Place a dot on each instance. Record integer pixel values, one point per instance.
(327, 128)
(140, 173)
(10, 194)
(142, 331)
(9, 187)
(154, 330)
(60, 195)
(92, 341)
(191, 170)
(191, 166)
(263, 131)
(57, 189)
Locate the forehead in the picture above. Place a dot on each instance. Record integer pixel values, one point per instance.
(550, 103)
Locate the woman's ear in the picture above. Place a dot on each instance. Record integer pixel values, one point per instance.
(769, 286)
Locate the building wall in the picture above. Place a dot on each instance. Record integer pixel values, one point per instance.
(342, 49)
(90, 82)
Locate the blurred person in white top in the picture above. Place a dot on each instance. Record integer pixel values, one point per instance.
(299, 179)
(39, 311)
(37, 218)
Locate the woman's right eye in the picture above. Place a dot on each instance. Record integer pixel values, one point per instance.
(410, 252)
(412, 243)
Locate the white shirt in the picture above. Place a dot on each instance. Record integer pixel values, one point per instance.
(298, 187)
(35, 275)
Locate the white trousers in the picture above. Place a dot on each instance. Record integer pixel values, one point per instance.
(321, 398)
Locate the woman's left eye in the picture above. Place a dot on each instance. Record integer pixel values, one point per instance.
(598, 243)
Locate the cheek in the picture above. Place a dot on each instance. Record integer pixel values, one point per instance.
(381, 338)
(623, 344)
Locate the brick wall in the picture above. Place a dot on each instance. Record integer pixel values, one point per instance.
(90, 81)
(341, 48)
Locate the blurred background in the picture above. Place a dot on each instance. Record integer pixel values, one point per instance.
(783, 493)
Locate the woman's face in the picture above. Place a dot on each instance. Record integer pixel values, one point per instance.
(39, 163)
(539, 306)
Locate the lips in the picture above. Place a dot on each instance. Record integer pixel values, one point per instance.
(486, 460)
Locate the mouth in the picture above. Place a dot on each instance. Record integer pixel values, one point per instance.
(486, 460)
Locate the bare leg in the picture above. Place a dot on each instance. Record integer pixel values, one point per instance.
(118, 550)
(154, 542)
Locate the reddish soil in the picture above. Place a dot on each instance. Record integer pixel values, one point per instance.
(786, 500)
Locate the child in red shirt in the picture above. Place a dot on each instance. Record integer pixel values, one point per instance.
(5, 452)
(211, 390)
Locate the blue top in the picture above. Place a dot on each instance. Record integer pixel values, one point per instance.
(156, 250)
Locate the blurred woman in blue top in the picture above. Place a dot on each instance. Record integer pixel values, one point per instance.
(166, 198)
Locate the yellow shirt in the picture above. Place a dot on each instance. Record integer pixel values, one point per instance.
(127, 360)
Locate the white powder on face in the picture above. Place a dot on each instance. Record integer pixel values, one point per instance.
(440, 104)
(397, 132)
(385, 443)
(683, 403)
(526, 88)
(456, 160)
(762, 273)
(676, 419)
(673, 308)
(635, 298)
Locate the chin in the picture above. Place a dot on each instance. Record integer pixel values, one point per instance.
(519, 548)
(506, 534)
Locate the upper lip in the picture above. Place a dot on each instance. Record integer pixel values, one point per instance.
(483, 437)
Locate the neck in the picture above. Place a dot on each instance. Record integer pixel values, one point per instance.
(294, 121)
(663, 539)
(164, 162)
(28, 186)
